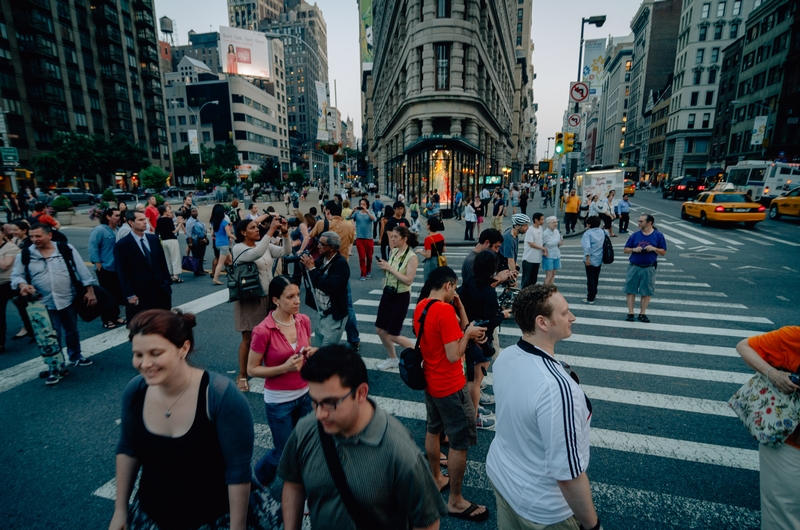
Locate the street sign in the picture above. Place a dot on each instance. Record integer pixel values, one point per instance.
(10, 155)
(576, 147)
(578, 92)
(574, 120)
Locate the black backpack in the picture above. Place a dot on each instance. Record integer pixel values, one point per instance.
(608, 250)
(411, 358)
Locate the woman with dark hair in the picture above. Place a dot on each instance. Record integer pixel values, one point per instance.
(280, 347)
(363, 218)
(191, 434)
(479, 209)
(434, 246)
(469, 217)
(479, 299)
(399, 273)
(252, 247)
(388, 213)
(233, 64)
(223, 233)
(167, 230)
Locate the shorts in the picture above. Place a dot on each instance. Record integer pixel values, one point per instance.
(455, 415)
(392, 312)
(640, 280)
(480, 219)
(514, 202)
(606, 220)
(224, 250)
(550, 264)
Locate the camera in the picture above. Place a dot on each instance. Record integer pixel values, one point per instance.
(480, 323)
(390, 290)
(294, 222)
(795, 378)
(296, 258)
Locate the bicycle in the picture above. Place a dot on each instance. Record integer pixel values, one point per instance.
(548, 199)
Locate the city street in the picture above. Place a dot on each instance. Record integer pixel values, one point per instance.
(667, 452)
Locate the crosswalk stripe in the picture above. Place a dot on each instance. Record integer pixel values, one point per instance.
(762, 243)
(620, 280)
(684, 234)
(775, 239)
(617, 288)
(677, 314)
(687, 226)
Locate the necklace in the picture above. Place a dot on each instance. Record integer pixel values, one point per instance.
(282, 323)
(168, 413)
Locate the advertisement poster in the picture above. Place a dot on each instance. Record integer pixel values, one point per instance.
(194, 146)
(322, 110)
(759, 130)
(594, 52)
(365, 34)
(243, 52)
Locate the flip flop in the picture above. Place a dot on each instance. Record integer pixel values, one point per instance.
(443, 460)
(246, 384)
(467, 514)
(177, 280)
(446, 486)
(109, 325)
(121, 321)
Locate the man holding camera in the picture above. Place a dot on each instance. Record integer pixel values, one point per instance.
(330, 277)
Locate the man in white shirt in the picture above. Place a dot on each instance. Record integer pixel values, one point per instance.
(537, 461)
(532, 251)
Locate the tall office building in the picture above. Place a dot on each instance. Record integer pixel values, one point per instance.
(83, 66)
(706, 28)
(445, 82)
(248, 14)
(613, 111)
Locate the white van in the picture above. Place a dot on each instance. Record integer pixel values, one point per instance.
(764, 180)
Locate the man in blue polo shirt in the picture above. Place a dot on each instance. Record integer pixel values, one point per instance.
(644, 247)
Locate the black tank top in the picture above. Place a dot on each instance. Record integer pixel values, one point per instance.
(183, 479)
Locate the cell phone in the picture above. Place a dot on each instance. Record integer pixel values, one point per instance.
(480, 323)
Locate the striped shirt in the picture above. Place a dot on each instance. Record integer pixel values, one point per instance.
(385, 470)
(542, 433)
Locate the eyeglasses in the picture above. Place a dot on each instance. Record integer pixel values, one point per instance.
(330, 404)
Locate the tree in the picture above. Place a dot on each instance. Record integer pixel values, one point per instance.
(186, 164)
(297, 176)
(154, 177)
(226, 156)
(268, 173)
(49, 167)
(218, 176)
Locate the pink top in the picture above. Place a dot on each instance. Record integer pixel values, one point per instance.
(272, 344)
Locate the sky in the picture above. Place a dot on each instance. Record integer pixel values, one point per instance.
(556, 36)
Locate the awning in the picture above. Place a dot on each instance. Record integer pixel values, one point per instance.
(713, 172)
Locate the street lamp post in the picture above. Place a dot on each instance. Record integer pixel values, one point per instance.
(547, 151)
(197, 122)
(598, 21)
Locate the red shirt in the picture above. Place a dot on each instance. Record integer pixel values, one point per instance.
(151, 212)
(434, 239)
(45, 219)
(272, 344)
(442, 327)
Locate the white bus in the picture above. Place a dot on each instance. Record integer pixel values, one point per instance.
(764, 180)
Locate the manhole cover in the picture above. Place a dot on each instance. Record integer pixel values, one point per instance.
(706, 257)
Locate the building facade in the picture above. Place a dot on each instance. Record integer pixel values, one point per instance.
(786, 139)
(706, 28)
(443, 94)
(724, 114)
(657, 112)
(614, 101)
(203, 47)
(70, 66)
(248, 14)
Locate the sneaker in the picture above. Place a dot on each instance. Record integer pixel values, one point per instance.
(54, 377)
(355, 345)
(644, 319)
(629, 318)
(486, 399)
(82, 361)
(388, 364)
(587, 301)
(483, 411)
(484, 384)
(369, 275)
(363, 278)
(482, 422)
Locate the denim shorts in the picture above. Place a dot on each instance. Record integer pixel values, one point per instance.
(224, 250)
(550, 264)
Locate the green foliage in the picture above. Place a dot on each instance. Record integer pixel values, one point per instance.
(153, 177)
(226, 156)
(62, 204)
(218, 176)
(159, 199)
(186, 164)
(49, 167)
(268, 173)
(297, 176)
(109, 196)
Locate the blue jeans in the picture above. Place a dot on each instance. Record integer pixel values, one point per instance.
(66, 320)
(281, 418)
(350, 328)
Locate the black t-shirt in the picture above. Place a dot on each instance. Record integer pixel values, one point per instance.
(498, 203)
(391, 223)
(165, 228)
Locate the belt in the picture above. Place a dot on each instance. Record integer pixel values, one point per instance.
(644, 266)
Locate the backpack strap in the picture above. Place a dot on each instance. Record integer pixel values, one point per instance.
(26, 260)
(422, 322)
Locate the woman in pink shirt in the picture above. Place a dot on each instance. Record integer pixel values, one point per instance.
(278, 350)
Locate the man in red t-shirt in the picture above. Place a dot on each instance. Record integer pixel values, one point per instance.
(151, 212)
(449, 407)
(40, 216)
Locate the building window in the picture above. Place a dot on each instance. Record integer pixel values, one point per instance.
(206, 136)
(706, 11)
(721, 9)
(443, 8)
(710, 97)
(628, 65)
(706, 120)
(173, 138)
(442, 66)
(184, 137)
(519, 40)
(712, 77)
(701, 52)
(697, 74)
(695, 97)
(690, 124)
(714, 55)
(181, 120)
(192, 119)
(519, 14)
(703, 33)
(737, 8)
(718, 32)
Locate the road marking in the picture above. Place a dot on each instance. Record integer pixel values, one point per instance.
(779, 297)
(676, 314)
(673, 240)
(745, 280)
(690, 236)
(783, 241)
(686, 226)
(621, 280)
(715, 265)
(659, 401)
(789, 268)
(762, 243)
(610, 288)
(29, 370)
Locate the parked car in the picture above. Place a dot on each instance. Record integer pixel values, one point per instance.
(76, 195)
(724, 206)
(688, 187)
(174, 192)
(788, 204)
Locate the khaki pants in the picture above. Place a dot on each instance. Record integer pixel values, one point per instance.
(497, 223)
(780, 482)
(508, 519)
(329, 331)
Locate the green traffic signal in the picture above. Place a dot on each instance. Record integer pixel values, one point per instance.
(559, 148)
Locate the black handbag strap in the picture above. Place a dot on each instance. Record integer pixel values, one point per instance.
(360, 517)
(422, 323)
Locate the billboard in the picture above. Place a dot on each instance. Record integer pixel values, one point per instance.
(243, 52)
(194, 146)
(322, 110)
(365, 34)
(594, 53)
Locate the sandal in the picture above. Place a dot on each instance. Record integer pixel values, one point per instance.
(177, 280)
(243, 387)
(121, 321)
(215, 282)
(110, 325)
(467, 514)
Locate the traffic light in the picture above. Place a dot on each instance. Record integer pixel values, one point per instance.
(569, 142)
(559, 143)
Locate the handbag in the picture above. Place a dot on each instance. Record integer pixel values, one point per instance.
(769, 414)
(190, 263)
(362, 519)
(410, 364)
(442, 260)
(244, 282)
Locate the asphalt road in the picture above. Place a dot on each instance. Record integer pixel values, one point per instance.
(666, 451)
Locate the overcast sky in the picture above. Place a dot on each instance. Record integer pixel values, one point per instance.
(556, 36)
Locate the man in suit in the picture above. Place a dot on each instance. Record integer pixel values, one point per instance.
(142, 268)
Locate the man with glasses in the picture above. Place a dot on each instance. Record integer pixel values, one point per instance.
(366, 439)
(330, 277)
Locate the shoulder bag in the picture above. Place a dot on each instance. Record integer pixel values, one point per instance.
(411, 358)
(769, 414)
(608, 250)
(441, 260)
(244, 282)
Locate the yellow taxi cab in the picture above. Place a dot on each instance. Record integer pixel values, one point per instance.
(789, 204)
(629, 188)
(724, 206)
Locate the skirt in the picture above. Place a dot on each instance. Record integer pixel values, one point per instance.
(249, 313)
(392, 312)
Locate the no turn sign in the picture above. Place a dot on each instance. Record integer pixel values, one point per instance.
(578, 92)
(574, 120)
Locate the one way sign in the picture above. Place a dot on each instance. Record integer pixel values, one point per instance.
(578, 92)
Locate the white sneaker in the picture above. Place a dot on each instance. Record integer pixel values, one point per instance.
(483, 411)
(388, 364)
(486, 399)
(482, 422)
(484, 384)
